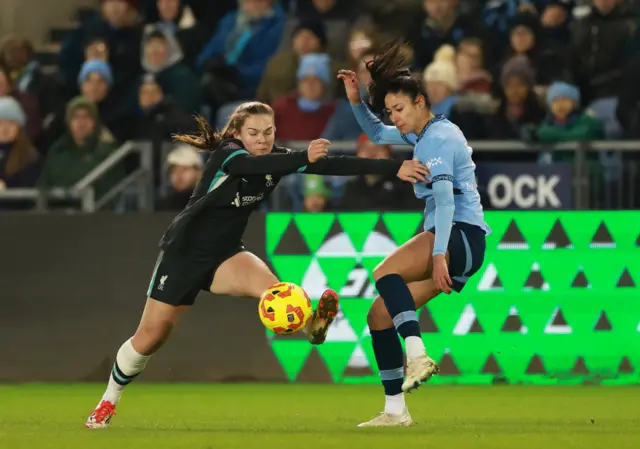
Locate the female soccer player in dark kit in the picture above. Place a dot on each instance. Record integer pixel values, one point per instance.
(452, 246)
(202, 248)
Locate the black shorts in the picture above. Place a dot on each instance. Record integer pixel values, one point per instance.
(467, 246)
(177, 279)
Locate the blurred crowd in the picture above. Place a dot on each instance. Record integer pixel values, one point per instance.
(542, 71)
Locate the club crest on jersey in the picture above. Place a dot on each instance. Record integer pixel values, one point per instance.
(269, 181)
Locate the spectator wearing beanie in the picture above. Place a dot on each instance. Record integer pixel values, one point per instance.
(95, 82)
(442, 81)
(565, 122)
(185, 169)
(308, 37)
(304, 114)
(374, 192)
(19, 160)
(163, 57)
(520, 110)
(119, 25)
(472, 76)
(317, 195)
(28, 102)
(82, 148)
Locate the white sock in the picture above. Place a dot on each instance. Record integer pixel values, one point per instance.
(395, 404)
(414, 346)
(129, 363)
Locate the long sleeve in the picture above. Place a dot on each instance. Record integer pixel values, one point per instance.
(377, 131)
(242, 163)
(445, 206)
(353, 166)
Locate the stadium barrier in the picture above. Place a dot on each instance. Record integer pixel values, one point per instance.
(556, 301)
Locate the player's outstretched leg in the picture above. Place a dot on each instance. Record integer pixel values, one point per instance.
(322, 317)
(390, 358)
(158, 319)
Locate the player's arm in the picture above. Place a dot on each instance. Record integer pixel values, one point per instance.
(377, 131)
(243, 163)
(411, 171)
(438, 156)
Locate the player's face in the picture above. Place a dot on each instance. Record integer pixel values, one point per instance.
(8, 131)
(258, 134)
(405, 113)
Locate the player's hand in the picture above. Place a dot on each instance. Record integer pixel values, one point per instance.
(351, 85)
(440, 274)
(413, 171)
(318, 149)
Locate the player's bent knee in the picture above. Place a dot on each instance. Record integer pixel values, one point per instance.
(378, 318)
(380, 271)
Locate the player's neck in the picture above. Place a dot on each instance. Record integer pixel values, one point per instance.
(424, 122)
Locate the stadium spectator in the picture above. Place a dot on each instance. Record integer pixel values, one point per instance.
(565, 122)
(337, 15)
(628, 110)
(28, 103)
(317, 195)
(472, 77)
(556, 18)
(442, 24)
(19, 160)
(236, 56)
(82, 148)
(162, 57)
(526, 39)
(156, 118)
(97, 48)
(304, 114)
(119, 26)
(176, 18)
(280, 76)
(16, 55)
(343, 124)
(373, 192)
(185, 168)
(441, 81)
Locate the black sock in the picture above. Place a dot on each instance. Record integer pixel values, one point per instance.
(400, 305)
(390, 359)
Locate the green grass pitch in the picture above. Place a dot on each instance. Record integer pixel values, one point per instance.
(201, 416)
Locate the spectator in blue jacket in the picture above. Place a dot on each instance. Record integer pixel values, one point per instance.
(237, 54)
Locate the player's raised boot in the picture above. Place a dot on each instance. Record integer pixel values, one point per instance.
(390, 420)
(101, 416)
(419, 370)
(323, 316)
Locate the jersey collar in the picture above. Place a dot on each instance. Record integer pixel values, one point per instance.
(437, 118)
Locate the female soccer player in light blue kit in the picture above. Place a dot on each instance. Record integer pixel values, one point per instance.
(442, 258)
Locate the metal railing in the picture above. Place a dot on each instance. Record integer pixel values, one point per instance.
(82, 194)
(621, 189)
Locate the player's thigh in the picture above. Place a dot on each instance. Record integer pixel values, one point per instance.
(422, 292)
(243, 274)
(412, 260)
(157, 322)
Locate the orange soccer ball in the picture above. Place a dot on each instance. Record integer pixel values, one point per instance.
(285, 308)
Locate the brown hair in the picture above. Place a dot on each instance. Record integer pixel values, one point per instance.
(208, 139)
(22, 154)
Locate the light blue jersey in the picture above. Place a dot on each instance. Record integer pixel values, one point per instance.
(452, 195)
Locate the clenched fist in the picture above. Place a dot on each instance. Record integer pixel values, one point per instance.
(318, 149)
